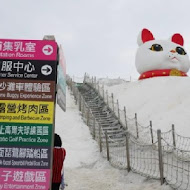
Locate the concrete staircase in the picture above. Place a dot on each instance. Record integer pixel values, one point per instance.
(103, 114)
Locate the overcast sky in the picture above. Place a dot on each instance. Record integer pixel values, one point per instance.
(98, 36)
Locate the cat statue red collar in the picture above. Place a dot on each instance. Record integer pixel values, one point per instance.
(155, 58)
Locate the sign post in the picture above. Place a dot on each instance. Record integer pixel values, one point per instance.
(61, 81)
(28, 72)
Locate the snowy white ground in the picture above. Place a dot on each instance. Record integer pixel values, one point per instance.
(164, 100)
(85, 169)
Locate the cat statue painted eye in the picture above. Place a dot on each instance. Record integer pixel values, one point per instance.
(156, 47)
(180, 51)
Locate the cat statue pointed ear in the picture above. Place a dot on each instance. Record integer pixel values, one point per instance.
(156, 58)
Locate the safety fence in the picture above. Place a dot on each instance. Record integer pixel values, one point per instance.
(145, 133)
(153, 154)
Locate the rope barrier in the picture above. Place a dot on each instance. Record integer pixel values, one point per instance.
(142, 148)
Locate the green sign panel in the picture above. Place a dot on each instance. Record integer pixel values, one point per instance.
(24, 133)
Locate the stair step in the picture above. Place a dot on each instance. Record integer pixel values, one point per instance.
(104, 116)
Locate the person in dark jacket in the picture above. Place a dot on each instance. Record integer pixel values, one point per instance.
(59, 154)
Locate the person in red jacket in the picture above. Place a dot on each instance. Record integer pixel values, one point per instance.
(59, 154)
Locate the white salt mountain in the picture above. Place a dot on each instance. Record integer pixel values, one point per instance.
(163, 100)
(85, 169)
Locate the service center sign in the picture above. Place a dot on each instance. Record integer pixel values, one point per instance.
(28, 70)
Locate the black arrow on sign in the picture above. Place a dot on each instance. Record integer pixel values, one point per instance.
(47, 69)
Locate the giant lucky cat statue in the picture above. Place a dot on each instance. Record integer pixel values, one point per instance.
(156, 58)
